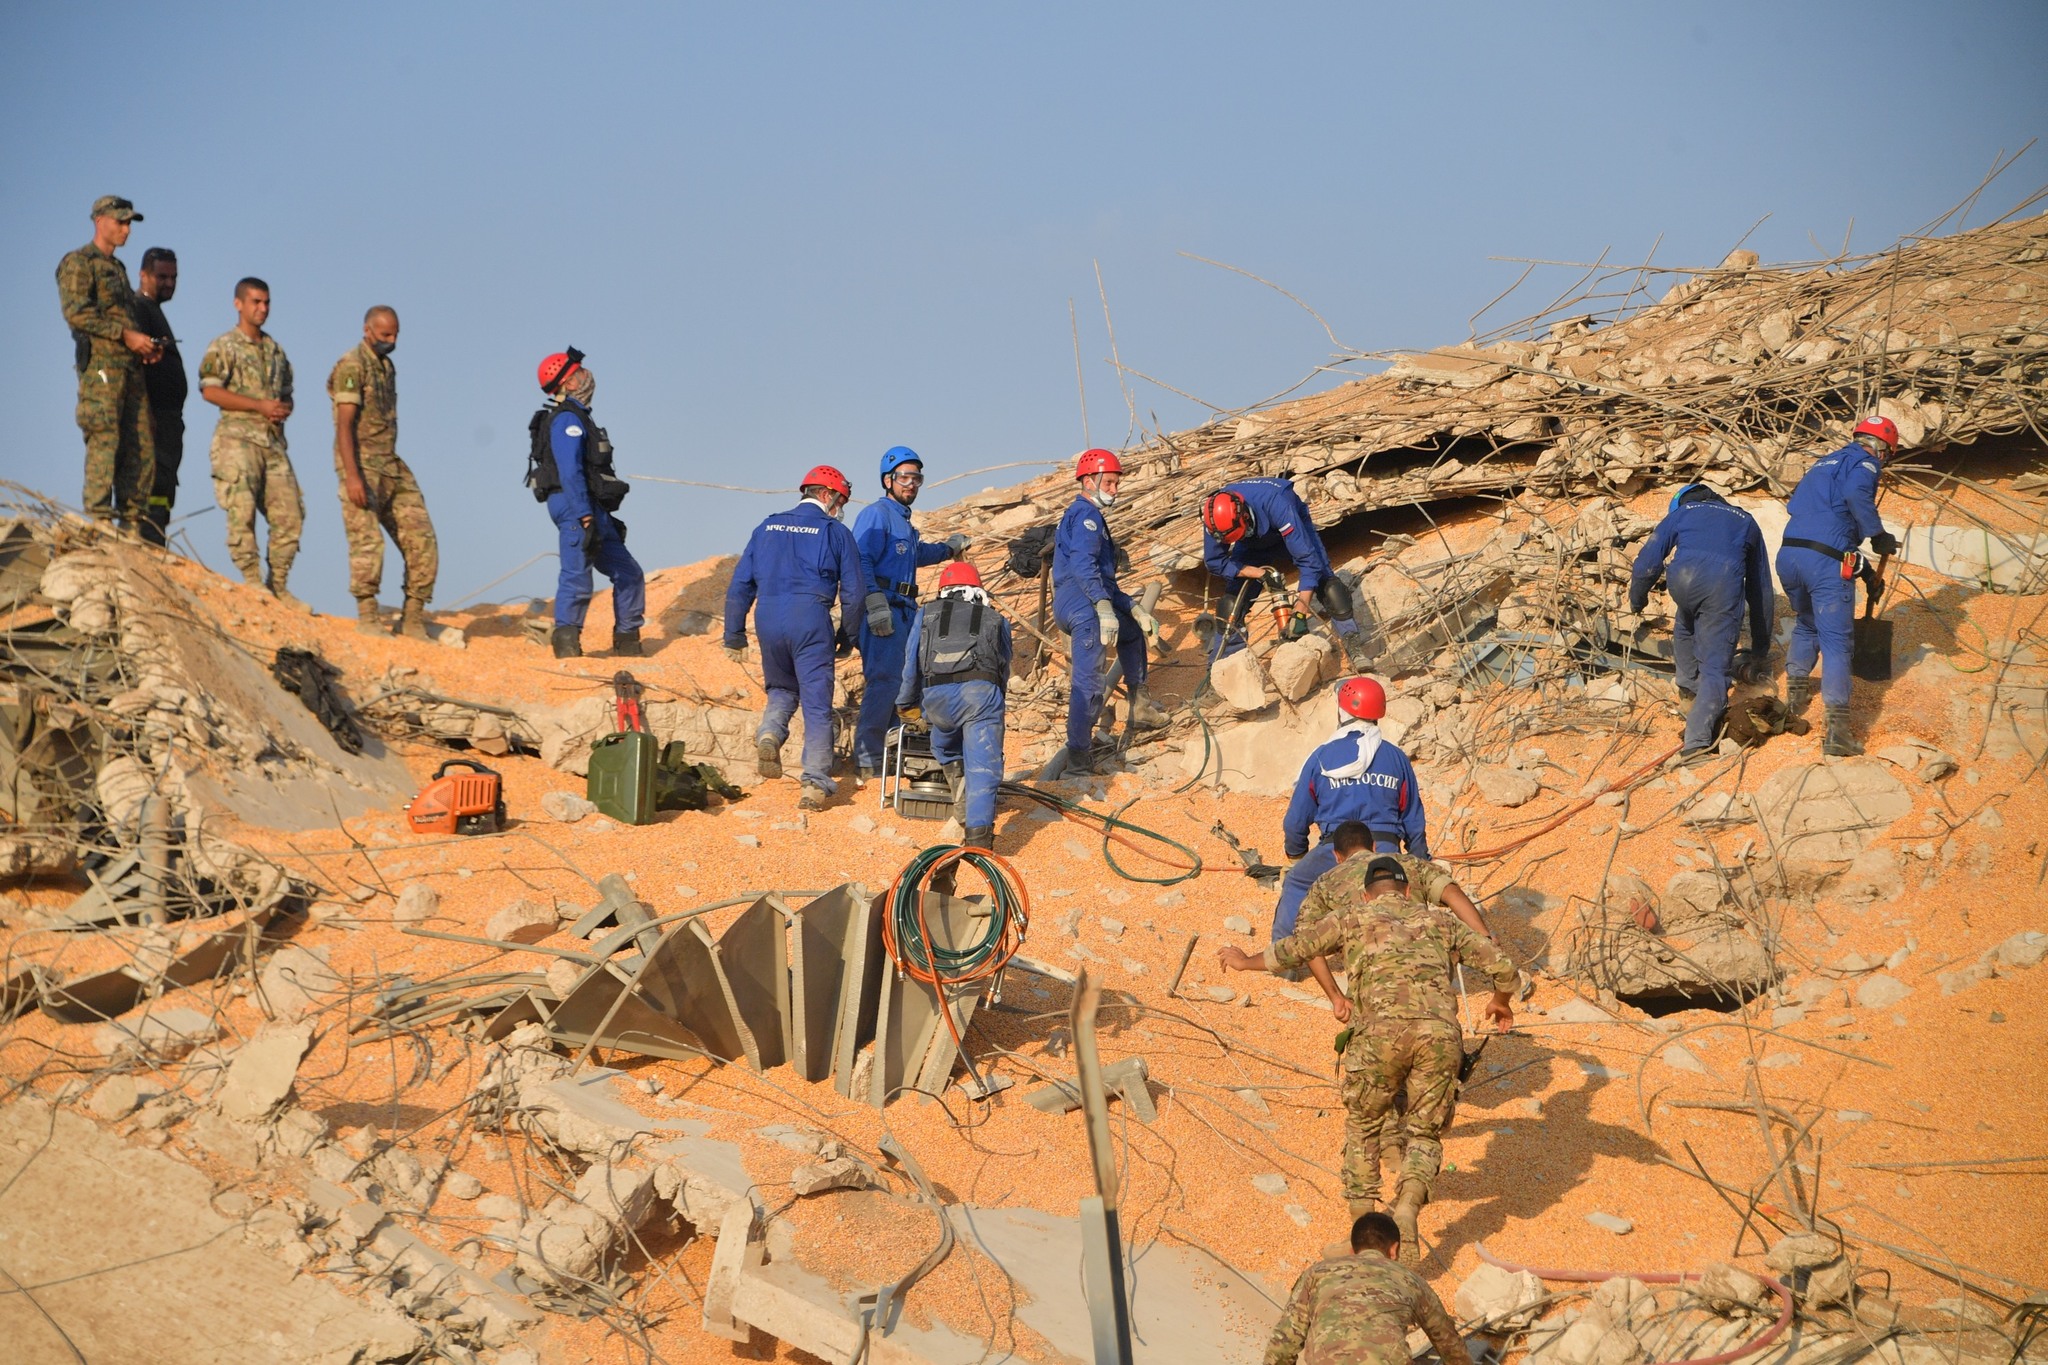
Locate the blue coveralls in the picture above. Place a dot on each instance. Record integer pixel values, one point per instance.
(1281, 535)
(1835, 504)
(794, 563)
(568, 429)
(1384, 796)
(1718, 565)
(966, 719)
(890, 556)
(1084, 573)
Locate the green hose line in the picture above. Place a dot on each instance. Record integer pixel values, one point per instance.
(936, 963)
(1111, 823)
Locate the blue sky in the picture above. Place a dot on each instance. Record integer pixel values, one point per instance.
(793, 234)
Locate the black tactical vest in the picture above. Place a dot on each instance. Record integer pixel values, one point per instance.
(607, 490)
(960, 641)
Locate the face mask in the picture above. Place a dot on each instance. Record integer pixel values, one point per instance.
(1104, 499)
(383, 348)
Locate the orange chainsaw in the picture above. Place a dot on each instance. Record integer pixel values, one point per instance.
(471, 802)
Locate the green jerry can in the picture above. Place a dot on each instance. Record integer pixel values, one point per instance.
(621, 780)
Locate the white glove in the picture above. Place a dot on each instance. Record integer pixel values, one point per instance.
(1105, 620)
(957, 544)
(1147, 622)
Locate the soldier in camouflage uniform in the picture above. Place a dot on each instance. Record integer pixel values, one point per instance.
(110, 350)
(1427, 883)
(378, 490)
(245, 374)
(1405, 1033)
(1357, 1309)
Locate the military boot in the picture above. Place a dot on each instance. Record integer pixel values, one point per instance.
(1837, 742)
(626, 645)
(1358, 651)
(768, 756)
(369, 620)
(412, 622)
(1407, 1213)
(1798, 692)
(1361, 1207)
(814, 797)
(1146, 714)
(982, 836)
(956, 783)
(567, 642)
(275, 585)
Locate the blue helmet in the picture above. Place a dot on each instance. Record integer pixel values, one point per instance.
(1679, 496)
(899, 455)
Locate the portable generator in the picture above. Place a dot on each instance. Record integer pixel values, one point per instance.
(469, 802)
(913, 783)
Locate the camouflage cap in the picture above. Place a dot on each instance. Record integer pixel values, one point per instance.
(114, 206)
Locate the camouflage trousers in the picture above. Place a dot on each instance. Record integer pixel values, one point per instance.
(120, 442)
(397, 508)
(249, 478)
(1417, 1058)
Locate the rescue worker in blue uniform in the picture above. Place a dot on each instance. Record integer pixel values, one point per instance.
(956, 671)
(890, 556)
(1099, 615)
(795, 564)
(1355, 774)
(569, 467)
(1257, 525)
(1832, 511)
(1718, 566)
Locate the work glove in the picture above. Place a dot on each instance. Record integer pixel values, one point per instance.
(881, 620)
(736, 648)
(1638, 605)
(1147, 622)
(592, 534)
(957, 543)
(842, 642)
(1885, 543)
(1298, 625)
(1106, 624)
(910, 715)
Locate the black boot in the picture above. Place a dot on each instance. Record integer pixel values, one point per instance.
(626, 645)
(982, 836)
(567, 642)
(1838, 742)
(1798, 692)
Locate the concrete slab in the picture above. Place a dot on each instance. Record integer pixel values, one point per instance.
(863, 964)
(121, 1247)
(817, 971)
(1185, 1304)
(914, 1050)
(754, 953)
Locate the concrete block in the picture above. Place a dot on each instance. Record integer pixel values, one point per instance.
(261, 1074)
(523, 921)
(737, 1252)
(294, 980)
(168, 1033)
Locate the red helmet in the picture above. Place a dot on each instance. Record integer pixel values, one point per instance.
(1097, 461)
(1226, 516)
(959, 574)
(1883, 428)
(558, 367)
(1362, 697)
(825, 476)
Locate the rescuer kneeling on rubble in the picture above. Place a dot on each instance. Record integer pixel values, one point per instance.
(1832, 511)
(1405, 1036)
(1254, 528)
(1718, 565)
(1358, 1309)
(956, 667)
